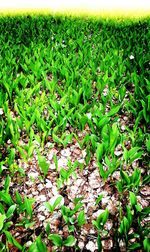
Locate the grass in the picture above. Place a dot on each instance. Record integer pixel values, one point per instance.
(74, 84)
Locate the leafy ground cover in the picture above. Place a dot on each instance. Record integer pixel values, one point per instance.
(74, 134)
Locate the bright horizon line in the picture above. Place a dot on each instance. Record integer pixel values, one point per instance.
(76, 4)
(96, 7)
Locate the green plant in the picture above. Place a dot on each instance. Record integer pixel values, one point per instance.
(64, 174)
(133, 219)
(38, 245)
(108, 167)
(131, 155)
(129, 182)
(69, 215)
(59, 242)
(51, 207)
(25, 205)
(44, 166)
(73, 82)
(99, 224)
(7, 211)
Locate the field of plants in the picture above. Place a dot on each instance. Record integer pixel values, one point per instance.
(74, 134)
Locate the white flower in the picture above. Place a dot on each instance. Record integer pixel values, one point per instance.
(89, 115)
(131, 57)
(1, 111)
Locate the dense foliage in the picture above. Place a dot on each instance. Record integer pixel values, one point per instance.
(61, 75)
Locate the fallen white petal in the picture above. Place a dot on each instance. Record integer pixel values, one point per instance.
(91, 246)
(48, 184)
(131, 57)
(41, 198)
(41, 217)
(1, 111)
(33, 174)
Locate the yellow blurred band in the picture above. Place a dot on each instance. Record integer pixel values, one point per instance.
(131, 9)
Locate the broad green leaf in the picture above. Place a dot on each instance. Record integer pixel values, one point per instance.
(40, 245)
(146, 244)
(122, 92)
(83, 121)
(11, 159)
(57, 139)
(129, 215)
(125, 177)
(119, 186)
(99, 198)
(88, 156)
(124, 226)
(134, 246)
(134, 154)
(81, 218)
(138, 208)
(70, 241)
(22, 152)
(47, 229)
(102, 172)
(7, 184)
(12, 240)
(125, 155)
(54, 104)
(133, 199)
(145, 211)
(148, 143)
(5, 197)
(8, 224)
(102, 218)
(29, 225)
(57, 201)
(103, 121)
(30, 150)
(99, 152)
(2, 219)
(43, 164)
(10, 211)
(95, 224)
(18, 198)
(105, 134)
(136, 176)
(146, 179)
(64, 173)
(2, 209)
(56, 239)
(49, 207)
(12, 129)
(28, 206)
(93, 138)
(33, 248)
(113, 110)
(114, 134)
